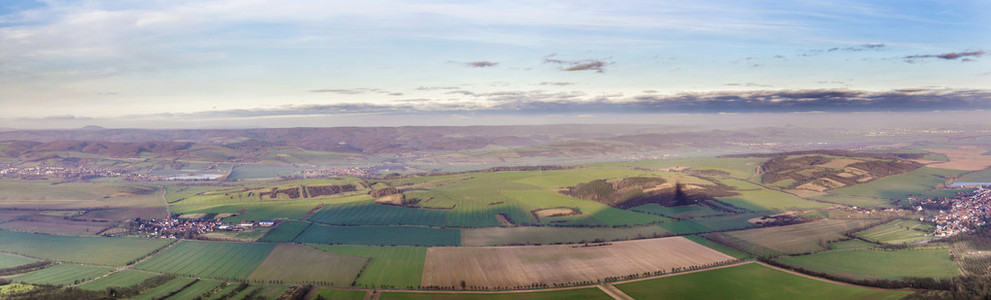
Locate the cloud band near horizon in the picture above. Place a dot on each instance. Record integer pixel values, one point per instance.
(538, 102)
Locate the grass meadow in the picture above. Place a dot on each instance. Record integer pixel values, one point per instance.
(89, 250)
(124, 278)
(882, 192)
(380, 235)
(292, 263)
(790, 239)
(896, 232)
(748, 281)
(219, 260)
(286, 232)
(583, 293)
(718, 223)
(62, 274)
(10, 261)
(394, 267)
(879, 264)
(681, 212)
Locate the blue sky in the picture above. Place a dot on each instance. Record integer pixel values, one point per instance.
(98, 61)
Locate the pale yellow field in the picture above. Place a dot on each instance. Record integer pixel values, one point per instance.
(524, 265)
(839, 163)
(552, 212)
(964, 158)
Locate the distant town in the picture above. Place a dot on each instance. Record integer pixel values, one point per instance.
(958, 214)
(172, 228)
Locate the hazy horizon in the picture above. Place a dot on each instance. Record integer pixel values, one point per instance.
(208, 64)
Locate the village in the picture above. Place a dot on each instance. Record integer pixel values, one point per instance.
(171, 228)
(958, 214)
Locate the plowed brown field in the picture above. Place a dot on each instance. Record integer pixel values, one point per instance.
(525, 265)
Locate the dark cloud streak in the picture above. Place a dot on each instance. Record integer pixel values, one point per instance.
(597, 65)
(966, 55)
(481, 64)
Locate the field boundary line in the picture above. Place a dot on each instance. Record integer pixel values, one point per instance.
(831, 281)
(614, 292)
(740, 263)
(165, 199)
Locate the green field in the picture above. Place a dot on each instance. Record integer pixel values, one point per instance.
(764, 199)
(850, 244)
(583, 293)
(262, 292)
(63, 274)
(718, 247)
(742, 168)
(978, 176)
(897, 232)
(10, 261)
(369, 213)
(474, 201)
(43, 194)
(749, 281)
(529, 235)
(331, 294)
(124, 278)
(882, 192)
(228, 261)
(90, 250)
(197, 289)
(718, 223)
(396, 267)
(381, 235)
(593, 213)
(291, 263)
(286, 232)
(681, 212)
(790, 239)
(164, 289)
(879, 264)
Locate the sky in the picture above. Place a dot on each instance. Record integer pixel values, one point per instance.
(190, 64)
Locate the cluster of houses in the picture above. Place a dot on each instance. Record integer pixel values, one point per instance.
(336, 172)
(171, 228)
(962, 214)
(45, 171)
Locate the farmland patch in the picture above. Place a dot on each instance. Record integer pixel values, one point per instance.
(517, 266)
(380, 235)
(286, 232)
(62, 274)
(964, 158)
(220, 260)
(297, 263)
(790, 239)
(749, 281)
(92, 250)
(388, 267)
(583, 293)
(124, 278)
(543, 235)
(878, 264)
(10, 261)
(897, 232)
